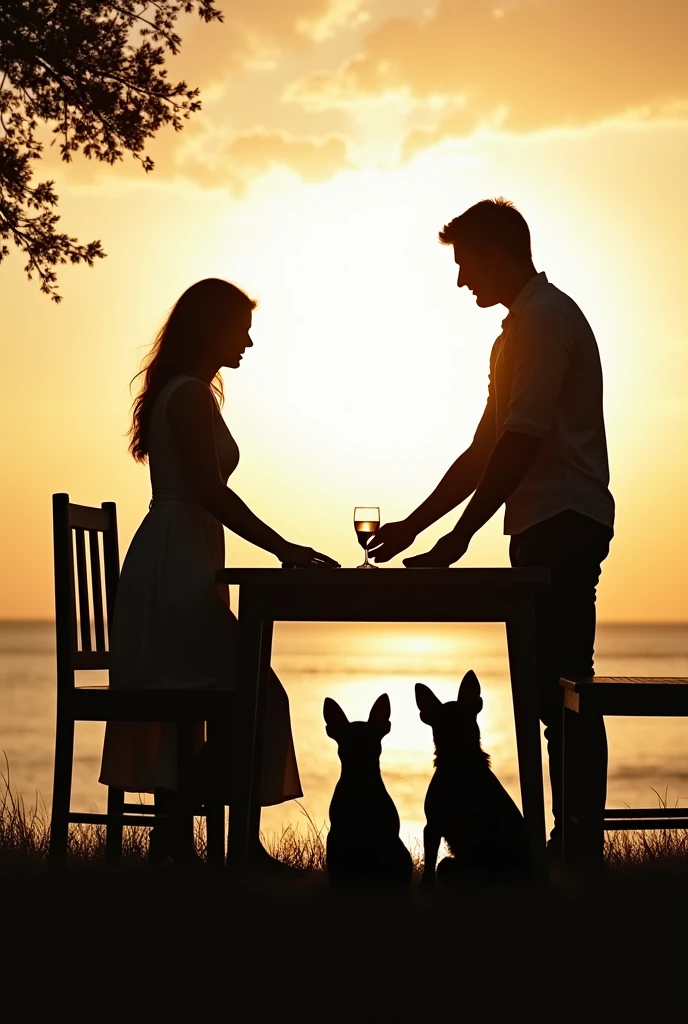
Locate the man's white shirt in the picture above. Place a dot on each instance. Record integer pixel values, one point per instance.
(546, 381)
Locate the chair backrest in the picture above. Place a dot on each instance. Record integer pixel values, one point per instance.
(86, 578)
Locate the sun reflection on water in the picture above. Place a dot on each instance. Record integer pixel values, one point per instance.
(354, 665)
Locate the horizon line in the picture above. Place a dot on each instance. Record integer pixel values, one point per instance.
(600, 622)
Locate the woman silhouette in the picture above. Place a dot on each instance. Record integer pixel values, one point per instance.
(172, 626)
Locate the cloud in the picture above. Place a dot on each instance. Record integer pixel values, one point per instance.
(213, 157)
(255, 32)
(458, 123)
(532, 64)
(340, 14)
(248, 155)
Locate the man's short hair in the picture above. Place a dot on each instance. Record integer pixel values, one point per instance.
(490, 222)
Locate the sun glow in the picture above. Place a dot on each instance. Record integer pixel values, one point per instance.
(369, 371)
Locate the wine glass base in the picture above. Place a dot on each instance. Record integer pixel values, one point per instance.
(367, 565)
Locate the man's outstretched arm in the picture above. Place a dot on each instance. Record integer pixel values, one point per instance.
(511, 459)
(458, 482)
(542, 351)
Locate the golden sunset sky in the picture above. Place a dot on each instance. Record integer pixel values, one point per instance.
(336, 138)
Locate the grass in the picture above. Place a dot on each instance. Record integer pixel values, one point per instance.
(648, 853)
(660, 850)
(141, 945)
(25, 833)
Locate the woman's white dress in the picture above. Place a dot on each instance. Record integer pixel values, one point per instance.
(173, 627)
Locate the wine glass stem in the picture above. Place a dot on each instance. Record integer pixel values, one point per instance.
(366, 556)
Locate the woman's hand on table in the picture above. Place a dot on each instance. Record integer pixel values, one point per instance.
(305, 558)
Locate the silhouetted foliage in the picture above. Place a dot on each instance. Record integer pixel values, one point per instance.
(94, 74)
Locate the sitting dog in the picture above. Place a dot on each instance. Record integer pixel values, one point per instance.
(363, 844)
(466, 803)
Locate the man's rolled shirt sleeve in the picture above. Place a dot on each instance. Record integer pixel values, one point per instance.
(542, 352)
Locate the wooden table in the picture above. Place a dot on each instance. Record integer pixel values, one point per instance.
(386, 595)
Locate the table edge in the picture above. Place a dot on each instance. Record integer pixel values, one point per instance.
(503, 577)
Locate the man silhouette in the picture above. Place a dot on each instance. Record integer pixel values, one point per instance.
(540, 449)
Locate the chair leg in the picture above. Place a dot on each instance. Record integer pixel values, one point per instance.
(114, 829)
(215, 834)
(62, 789)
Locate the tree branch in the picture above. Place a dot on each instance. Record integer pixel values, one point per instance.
(78, 69)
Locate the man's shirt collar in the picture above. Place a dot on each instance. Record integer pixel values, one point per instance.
(521, 300)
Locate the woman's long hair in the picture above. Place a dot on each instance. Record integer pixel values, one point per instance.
(194, 322)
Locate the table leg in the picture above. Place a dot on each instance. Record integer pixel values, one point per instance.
(520, 633)
(262, 699)
(183, 809)
(244, 731)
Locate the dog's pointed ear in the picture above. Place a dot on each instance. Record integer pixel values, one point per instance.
(469, 693)
(380, 714)
(335, 718)
(428, 703)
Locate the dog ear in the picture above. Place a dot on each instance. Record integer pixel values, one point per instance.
(469, 693)
(428, 703)
(380, 714)
(334, 717)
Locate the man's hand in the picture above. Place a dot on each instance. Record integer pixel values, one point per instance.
(447, 550)
(390, 539)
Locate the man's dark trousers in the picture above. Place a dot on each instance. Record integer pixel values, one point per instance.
(573, 547)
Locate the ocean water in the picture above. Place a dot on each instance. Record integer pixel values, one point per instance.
(354, 664)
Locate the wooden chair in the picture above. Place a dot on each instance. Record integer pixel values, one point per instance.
(86, 576)
(636, 696)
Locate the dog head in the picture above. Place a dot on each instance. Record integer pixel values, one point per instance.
(453, 724)
(358, 741)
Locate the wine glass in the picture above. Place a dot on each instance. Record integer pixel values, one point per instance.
(366, 525)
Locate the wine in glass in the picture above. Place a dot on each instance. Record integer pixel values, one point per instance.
(366, 525)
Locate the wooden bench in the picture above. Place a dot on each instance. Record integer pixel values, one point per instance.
(628, 696)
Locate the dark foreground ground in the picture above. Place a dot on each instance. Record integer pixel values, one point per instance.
(154, 946)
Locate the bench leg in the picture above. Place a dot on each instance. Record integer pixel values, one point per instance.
(567, 769)
(62, 789)
(583, 785)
